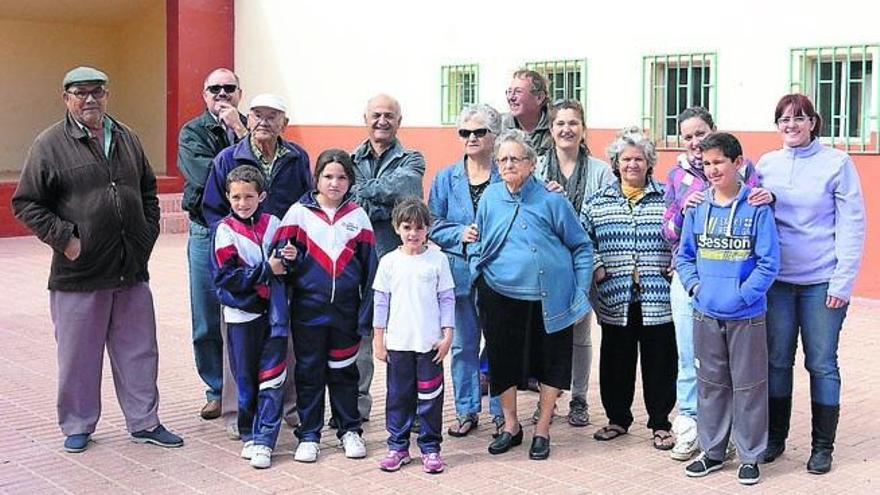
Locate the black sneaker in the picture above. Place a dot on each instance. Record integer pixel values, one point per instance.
(748, 474)
(702, 466)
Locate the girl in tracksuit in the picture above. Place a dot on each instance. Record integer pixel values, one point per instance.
(330, 302)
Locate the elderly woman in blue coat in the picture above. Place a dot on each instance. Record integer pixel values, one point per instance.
(455, 193)
(532, 266)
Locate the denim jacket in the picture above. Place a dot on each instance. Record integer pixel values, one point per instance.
(560, 252)
(452, 211)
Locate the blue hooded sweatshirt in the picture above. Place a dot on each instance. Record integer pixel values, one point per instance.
(732, 253)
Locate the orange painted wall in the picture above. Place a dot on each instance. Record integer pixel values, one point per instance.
(441, 147)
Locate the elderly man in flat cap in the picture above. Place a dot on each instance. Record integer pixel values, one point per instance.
(87, 190)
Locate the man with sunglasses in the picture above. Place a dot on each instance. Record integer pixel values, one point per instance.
(527, 97)
(87, 190)
(385, 173)
(200, 140)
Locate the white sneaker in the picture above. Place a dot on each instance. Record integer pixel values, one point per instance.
(354, 445)
(307, 452)
(261, 456)
(247, 450)
(685, 430)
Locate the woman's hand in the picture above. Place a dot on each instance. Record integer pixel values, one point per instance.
(470, 234)
(760, 196)
(379, 350)
(599, 274)
(73, 248)
(832, 302)
(694, 199)
(442, 346)
(554, 186)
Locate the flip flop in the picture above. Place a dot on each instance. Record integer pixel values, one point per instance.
(464, 425)
(663, 440)
(609, 432)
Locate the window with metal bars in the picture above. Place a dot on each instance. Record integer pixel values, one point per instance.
(459, 86)
(841, 82)
(672, 83)
(566, 79)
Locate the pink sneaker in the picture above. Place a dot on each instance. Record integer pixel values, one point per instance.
(432, 463)
(394, 460)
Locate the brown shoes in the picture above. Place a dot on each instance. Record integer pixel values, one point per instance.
(211, 410)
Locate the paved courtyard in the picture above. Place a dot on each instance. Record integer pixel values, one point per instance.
(32, 460)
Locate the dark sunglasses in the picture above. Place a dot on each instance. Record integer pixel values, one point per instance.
(215, 88)
(466, 133)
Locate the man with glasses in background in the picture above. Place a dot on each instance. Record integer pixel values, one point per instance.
(527, 97)
(200, 140)
(87, 190)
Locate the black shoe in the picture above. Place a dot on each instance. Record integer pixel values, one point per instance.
(332, 424)
(748, 474)
(505, 441)
(780, 418)
(540, 449)
(703, 466)
(824, 431)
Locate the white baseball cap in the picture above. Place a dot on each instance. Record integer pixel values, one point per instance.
(269, 101)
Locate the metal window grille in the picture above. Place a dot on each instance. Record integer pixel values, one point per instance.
(672, 83)
(567, 79)
(842, 84)
(458, 88)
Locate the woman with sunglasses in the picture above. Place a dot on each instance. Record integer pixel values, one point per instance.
(570, 167)
(455, 192)
(821, 220)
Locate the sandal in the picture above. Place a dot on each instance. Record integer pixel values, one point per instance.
(609, 432)
(464, 425)
(663, 440)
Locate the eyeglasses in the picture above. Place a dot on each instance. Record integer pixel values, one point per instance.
(96, 93)
(466, 133)
(214, 89)
(800, 119)
(513, 160)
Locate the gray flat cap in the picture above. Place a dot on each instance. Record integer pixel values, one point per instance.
(83, 74)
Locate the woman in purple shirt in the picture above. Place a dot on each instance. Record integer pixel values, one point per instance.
(821, 220)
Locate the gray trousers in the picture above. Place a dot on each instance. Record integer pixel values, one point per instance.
(123, 321)
(365, 368)
(581, 358)
(731, 362)
(229, 399)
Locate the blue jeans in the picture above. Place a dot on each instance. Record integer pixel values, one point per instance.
(801, 308)
(683, 318)
(466, 357)
(205, 310)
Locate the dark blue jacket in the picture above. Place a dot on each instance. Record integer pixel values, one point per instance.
(290, 179)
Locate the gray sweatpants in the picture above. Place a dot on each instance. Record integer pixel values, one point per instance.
(731, 362)
(581, 358)
(124, 321)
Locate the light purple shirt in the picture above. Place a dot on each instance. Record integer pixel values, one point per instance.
(819, 213)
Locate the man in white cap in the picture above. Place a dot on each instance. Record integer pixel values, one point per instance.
(201, 139)
(285, 164)
(87, 190)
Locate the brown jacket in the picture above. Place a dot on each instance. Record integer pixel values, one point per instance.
(69, 188)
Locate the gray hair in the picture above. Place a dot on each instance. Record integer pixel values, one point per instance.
(490, 117)
(631, 136)
(519, 137)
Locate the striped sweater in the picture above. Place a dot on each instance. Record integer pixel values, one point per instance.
(624, 240)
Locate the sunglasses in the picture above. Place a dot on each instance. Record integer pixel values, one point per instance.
(466, 133)
(96, 93)
(227, 88)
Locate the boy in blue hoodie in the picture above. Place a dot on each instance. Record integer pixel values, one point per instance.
(728, 258)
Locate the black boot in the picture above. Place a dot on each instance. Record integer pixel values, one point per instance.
(780, 418)
(824, 431)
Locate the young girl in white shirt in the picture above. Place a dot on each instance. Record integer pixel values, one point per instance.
(413, 321)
